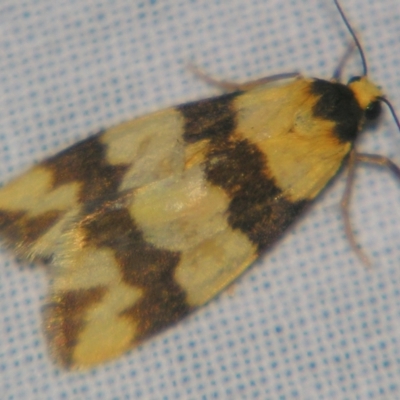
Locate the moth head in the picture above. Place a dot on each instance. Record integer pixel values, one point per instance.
(368, 96)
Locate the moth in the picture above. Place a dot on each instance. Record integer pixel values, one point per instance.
(146, 221)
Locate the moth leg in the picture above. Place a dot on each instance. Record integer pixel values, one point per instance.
(381, 161)
(355, 158)
(344, 205)
(229, 86)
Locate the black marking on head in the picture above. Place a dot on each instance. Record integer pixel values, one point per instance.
(143, 266)
(209, 118)
(85, 162)
(257, 208)
(337, 103)
(373, 110)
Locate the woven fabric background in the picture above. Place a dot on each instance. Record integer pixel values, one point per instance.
(308, 320)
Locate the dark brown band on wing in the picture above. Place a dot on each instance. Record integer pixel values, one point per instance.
(143, 266)
(210, 118)
(85, 162)
(257, 207)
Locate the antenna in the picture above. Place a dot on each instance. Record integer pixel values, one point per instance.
(357, 43)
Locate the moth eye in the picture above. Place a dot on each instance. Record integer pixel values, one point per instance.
(373, 110)
(354, 79)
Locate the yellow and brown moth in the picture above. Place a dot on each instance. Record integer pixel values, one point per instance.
(146, 221)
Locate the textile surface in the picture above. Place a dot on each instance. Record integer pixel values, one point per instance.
(306, 321)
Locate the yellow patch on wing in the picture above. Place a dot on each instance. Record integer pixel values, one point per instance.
(84, 268)
(214, 263)
(302, 170)
(152, 145)
(106, 333)
(301, 150)
(180, 212)
(186, 213)
(34, 193)
(34, 212)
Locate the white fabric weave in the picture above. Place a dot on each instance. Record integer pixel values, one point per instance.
(308, 321)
